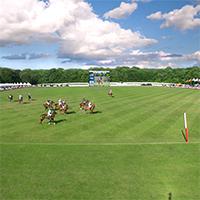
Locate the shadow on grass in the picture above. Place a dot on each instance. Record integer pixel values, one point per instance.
(95, 112)
(170, 196)
(60, 121)
(183, 134)
(26, 102)
(71, 112)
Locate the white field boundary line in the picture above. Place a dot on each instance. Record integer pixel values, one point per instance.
(99, 144)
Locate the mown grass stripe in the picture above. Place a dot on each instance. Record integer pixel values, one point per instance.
(122, 113)
(102, 144)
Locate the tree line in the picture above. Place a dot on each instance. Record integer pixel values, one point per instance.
(118, 74)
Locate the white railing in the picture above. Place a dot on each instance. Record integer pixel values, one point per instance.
(140, 84)
(77, 84)
(9, 86)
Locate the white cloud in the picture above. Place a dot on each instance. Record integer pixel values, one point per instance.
(81, 33)
(105, 40)
(144, 1)
(124, 10)
(155, 16)
(26, 56)
(194, 56)
(156, 59)
(183, 19)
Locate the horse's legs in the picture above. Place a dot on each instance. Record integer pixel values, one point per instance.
(51, 120)
(42, 119)
(92, 108)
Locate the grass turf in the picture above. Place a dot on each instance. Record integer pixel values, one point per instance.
(90, 156)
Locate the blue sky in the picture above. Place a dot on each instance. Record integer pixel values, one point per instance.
(83, 34)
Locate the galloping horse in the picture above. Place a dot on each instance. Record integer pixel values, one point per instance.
(10, 97)
(20, 99)
(48, 104)
(29, 97)
(50, 118)
(62, 108)
(86, 107)
(110, 93)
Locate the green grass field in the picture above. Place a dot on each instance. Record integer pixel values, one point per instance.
(131, 148)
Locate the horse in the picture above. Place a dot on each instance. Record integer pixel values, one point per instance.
(62, 108)
(85, 107)
(83, 103)
(110, 93)
(50, 118)
(20, 99)
(10, 97)
(48, 104)
(29, 97)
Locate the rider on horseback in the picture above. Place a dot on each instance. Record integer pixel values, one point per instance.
(83, 100)
(60, 102)
(50, 114)
(29, 97)
(20, 98)
(89, 104)
(49, 102)
(10, 97)
(110, 92)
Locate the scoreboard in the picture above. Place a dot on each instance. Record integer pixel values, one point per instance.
(99, 78)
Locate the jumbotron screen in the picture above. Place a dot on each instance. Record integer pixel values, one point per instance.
(99, 78)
